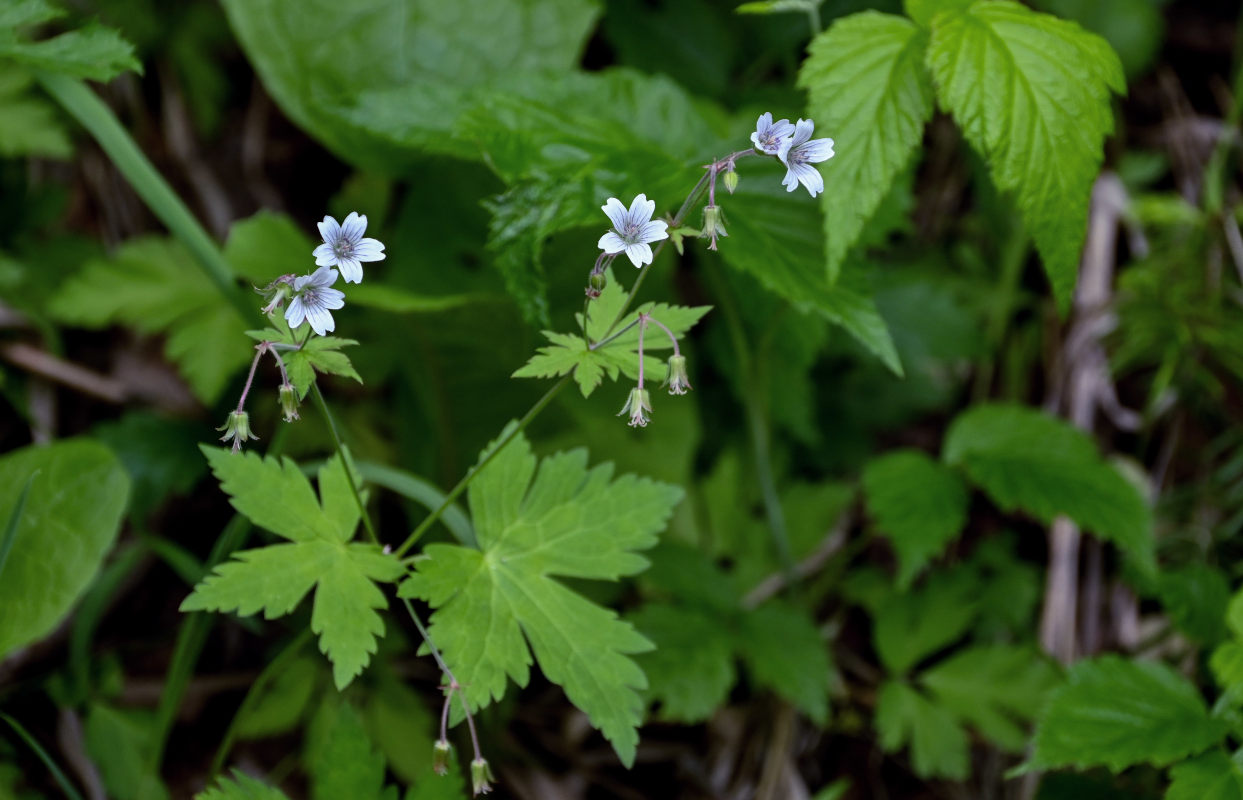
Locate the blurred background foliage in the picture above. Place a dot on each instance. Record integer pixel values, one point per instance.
(895, 650)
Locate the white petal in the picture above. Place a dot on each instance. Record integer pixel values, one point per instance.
(802, 131)
(616, 213)
(324, 256)
(755, 140)
(810, 177)
(331, 298)
(369, 250)
(351, 270)
(764, 122)
(817, 150)
(295, 313)
(611, 243)
(321, 321)
(300, 282)
(354, 226)
(329, 229)
(324, 276)
(639, 254)
(654, 231)
(641, 209)
(783, 151)
(790, 181)
(782, 128)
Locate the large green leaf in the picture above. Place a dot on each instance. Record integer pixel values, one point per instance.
(319, 554)
(375, 77)
(868, 89)
(1027, 460)
(1032, 94)
(920, 505)
(1116, 713)
(72, 511)
(497, 605)
(153, 285)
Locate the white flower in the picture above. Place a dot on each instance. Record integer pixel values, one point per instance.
(345, 248)
(768, 135)
(313, 299)
(633, 229)
(798, 155)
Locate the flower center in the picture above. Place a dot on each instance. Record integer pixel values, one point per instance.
(310, 296)
(631, 231)
(344, 248)
(796, 156)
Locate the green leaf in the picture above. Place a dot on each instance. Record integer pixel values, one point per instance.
(399, 74)
(1196, 597)
(340, 757)
(153, 285)
(303, 359)
(281, 704)
(1212, 776)
(240, 787)
(68, 523)
(93, 52)
(911, 626)
(1027, 460)
(920, 505)
(1032, 95)
(121, 743)
(276, 578)
(1227, 665)
(159, 454)
(29, 125)
(923, 11)
(22, 13)
(869, 89)
(938, 744)
(267, 245)
(1116, 713)
(998, 689)
(784, 651)
(691, 670)
(564, 520)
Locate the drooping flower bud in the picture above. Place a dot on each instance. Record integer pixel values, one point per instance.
(638, 406)
(676, 379)
(714, 225)
(481, 776)
(731, 179)
(276, 293)
(237, 429)
(442, 751)
(289, 402)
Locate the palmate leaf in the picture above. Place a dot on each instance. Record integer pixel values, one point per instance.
(1116, 713)
(304, 357)
(1024, 459)
(571, 353)
(320, 555)
(240, 787)
(1031, 93)
(868, 87)
(938, 743)
(153, 285)
(498, 605)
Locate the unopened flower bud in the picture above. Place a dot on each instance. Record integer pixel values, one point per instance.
(714, 225)
(481, 776)
(289, 402)
(638, 406)
(237, 428)
(442, 751)
(598, 280)
(676, 378)
(730, 179)
(276, 293)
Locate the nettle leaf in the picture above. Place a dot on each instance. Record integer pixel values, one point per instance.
(1024, 459)
(920, 505)
(153, 285)
(571, 353)
(1032, 94)
(999, 689)
(320, 555)
(498, 605)
(1212, 776)
(93, 52)
(304, 357)
(65, 502)
(938, 744)
(240, 787)
(869, 89)
(1117, 713)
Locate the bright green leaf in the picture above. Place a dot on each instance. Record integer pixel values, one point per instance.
(69, 521)
(920, 505)
(267, 245)
(938, 745)
(869, 90)
(93, 52)
(1212, 776)
(1116, 713)
(1032, 95)
(240, 787)
(564, 520)
(1025, 459)
(153, 285)
(923, 11)
(120, 741)
(340, 757)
